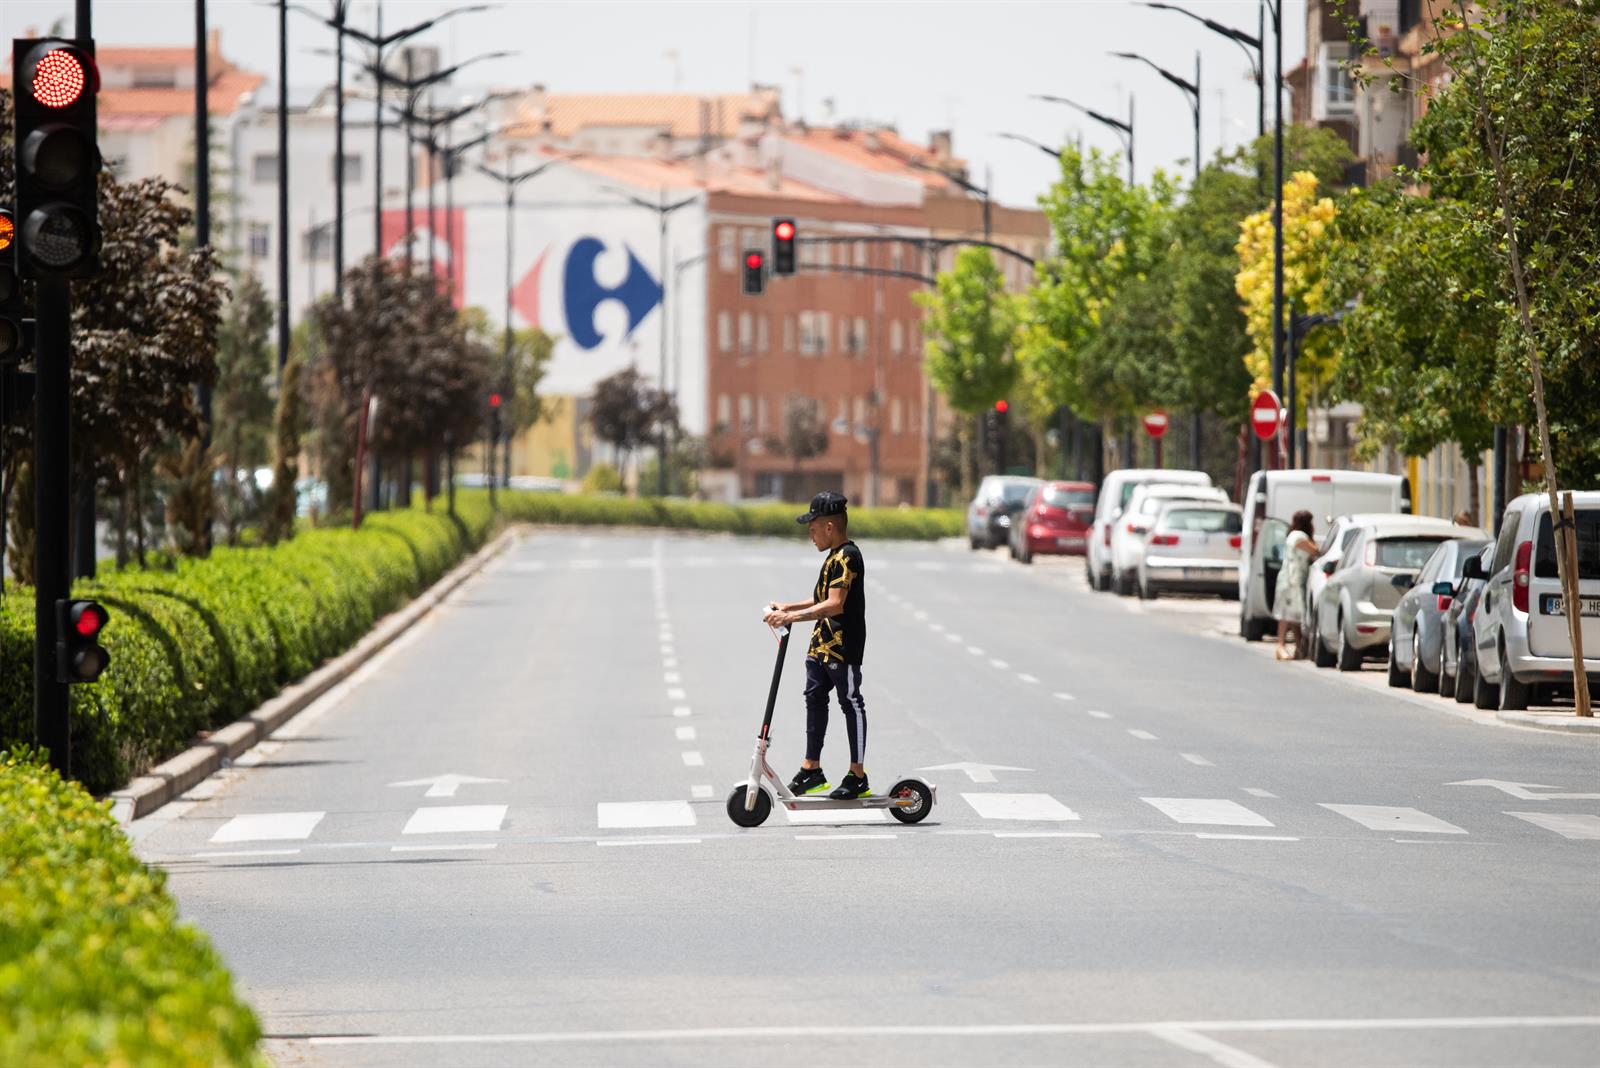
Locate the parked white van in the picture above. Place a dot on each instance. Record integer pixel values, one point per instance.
(1115, 490)
(1521, 627)
(1272, 499)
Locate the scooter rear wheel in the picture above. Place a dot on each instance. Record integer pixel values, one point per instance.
(919, 796)
(749, 817)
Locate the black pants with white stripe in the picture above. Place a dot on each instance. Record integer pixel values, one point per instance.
(845, 681)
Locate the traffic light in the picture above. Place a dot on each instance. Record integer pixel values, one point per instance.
(79, 655)
(15, 328)
(783, 235)
(54, 82)
(755, 273)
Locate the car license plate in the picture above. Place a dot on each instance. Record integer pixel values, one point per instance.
(1070, 543)
(1553, 605)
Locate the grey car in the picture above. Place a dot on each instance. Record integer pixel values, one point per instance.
(1458, 659)
(1416, 632)
(1352, 617)
(999, 498)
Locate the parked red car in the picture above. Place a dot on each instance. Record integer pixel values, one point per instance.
(1055, 520)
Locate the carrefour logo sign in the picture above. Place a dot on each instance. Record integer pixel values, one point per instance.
(583, 295)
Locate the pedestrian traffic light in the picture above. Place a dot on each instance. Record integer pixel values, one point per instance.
(79, 655)
(1001, 407)
(54, 83)
(755, 274)
(783, 235)
(15, 328)
(494, 400)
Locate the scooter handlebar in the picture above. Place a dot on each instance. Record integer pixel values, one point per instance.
(778, 631)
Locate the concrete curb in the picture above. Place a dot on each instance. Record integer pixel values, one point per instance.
(173, 778)
(1569, 724)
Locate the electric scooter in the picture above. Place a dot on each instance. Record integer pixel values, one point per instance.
(909, 800)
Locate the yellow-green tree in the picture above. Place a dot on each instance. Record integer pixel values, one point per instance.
(1307, 219)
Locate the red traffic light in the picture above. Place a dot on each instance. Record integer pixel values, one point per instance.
(784, 230)
(494, 400)
(59, 78)
(1001, 406)
(8, 230)
(752, 260)
(88, 619)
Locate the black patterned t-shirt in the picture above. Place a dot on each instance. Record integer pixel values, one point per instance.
(843, 637)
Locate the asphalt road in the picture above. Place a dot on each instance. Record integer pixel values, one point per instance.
(1170, 851)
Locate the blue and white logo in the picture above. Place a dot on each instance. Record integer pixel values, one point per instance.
(638, 292)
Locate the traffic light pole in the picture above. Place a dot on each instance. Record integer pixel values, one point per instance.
(52, 481)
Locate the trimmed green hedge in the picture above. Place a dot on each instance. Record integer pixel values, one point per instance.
(95, 968)
(770, 519)
(196, 647)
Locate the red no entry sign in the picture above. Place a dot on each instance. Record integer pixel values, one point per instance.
(1155, 424)
(1264, 414)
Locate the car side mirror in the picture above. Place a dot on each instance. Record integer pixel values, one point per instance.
(1473, 569)
(1444, 589)
(1328, 566)
(1403, 582)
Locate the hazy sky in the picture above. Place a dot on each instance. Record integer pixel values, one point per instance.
(968, 65)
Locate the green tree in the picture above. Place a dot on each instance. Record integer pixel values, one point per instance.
(971, 329)
(628, 413)
(242, 404)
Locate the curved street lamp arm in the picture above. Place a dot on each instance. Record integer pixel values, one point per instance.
(1246, 41)
(1046, 149)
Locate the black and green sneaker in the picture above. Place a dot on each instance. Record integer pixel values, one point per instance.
(852, 787)
(808, 781)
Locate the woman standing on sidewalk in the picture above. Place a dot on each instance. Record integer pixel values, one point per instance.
(1289, 606)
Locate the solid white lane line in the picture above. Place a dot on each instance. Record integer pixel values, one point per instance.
(1256, 791)
(995, 661)
(681, 711)
(646, 841)
(269, 827)
(1019, 807)
(700, 791)
(1197, 759)
(1394, 818)
(1097, 714)
(1045, 834)
(1059, 696)
(1142, 735)
(249, 853)
(1566, 824)
(633, 815)
(693, 759)
(441, 847)
(676, 693)
(460, 819)
(1248, 837)
(1216, 811)
(685, 734)
(1219, 1052)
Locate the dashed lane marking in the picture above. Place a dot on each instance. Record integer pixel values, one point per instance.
(1097, 714)
(693, 759)
(1145, 736)
(1059, 696)
(685, 734)
(681, 711)
(700, 791)
(676, 693)
(1256, 791)
(995, 661)
(1247, 837)
(442, 847)
(1197, 760)
(1025, 677)
(646, 841)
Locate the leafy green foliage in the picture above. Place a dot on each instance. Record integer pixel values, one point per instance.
(628, 413)
(971, 327)
(95, 967)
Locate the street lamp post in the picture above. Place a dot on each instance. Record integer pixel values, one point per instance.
(663, 212)
(1053, 153)
(1124, 129)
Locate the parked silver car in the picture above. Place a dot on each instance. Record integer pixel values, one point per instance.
(1417, 632)
(1352, 617)
(1192, 547)
(989, 513)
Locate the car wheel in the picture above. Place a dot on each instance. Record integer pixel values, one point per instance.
(1121, 583)
(1513, 694)
(1466, 679)
(1397, 678)
(1148, 592)
(1447, 678)
(1422, 680)
(1485, 694)
(1348, 657)
(1250, 628)
(1025, 555)
(1321, 655)
(972, 543)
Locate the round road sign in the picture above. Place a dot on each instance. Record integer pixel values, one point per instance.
(1155, 424)
(1265, 413)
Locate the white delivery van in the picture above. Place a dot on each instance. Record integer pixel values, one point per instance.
(1272, 500)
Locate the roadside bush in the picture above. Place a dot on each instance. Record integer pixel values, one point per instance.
(95, 968)
(195, 647)
(602, 478)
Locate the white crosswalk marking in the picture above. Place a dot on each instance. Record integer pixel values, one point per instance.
(269, 827)
(1392, 818)
(455, 819)
(1018, 807)
(1567, 824)
(1214, 811)
(637, 814)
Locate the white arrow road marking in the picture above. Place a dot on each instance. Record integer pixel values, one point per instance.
(636, 814)
(1019, 807)
(975, 772)
(1216, 811)
(445, 785)
(1567, 825)
(1388, 818)
(457, 819)
(269, 827)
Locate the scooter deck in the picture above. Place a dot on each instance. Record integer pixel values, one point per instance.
(824, 801)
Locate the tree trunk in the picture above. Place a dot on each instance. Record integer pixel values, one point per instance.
(138, 509)
(964, 456)
(122, 524)
(1474, 501)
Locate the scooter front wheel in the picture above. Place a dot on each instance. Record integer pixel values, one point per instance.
(910, 801)
(749, 817)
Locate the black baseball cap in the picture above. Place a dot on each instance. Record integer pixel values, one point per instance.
(825, 503)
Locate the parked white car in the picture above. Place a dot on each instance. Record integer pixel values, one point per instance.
(1193, 547)
(1330, 550)
(1115, 490)
(1128, 533)
(1520, 630)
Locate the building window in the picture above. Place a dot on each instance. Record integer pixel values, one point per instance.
(896, 414)
(763, 334)
(788, 333)
(319, 244)
(897, 338)
(260, 241)
(1332, 94)
(724, 412)
(744, 412)
(861, 253)
(727, 240)
(861, 411)
(724, 332)
(846, 342)
(352, 169)
(824, 324)
(264, 167)
(860, 339)
(747, 332)
(761, 415)
(897, 257)
(841, 417)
